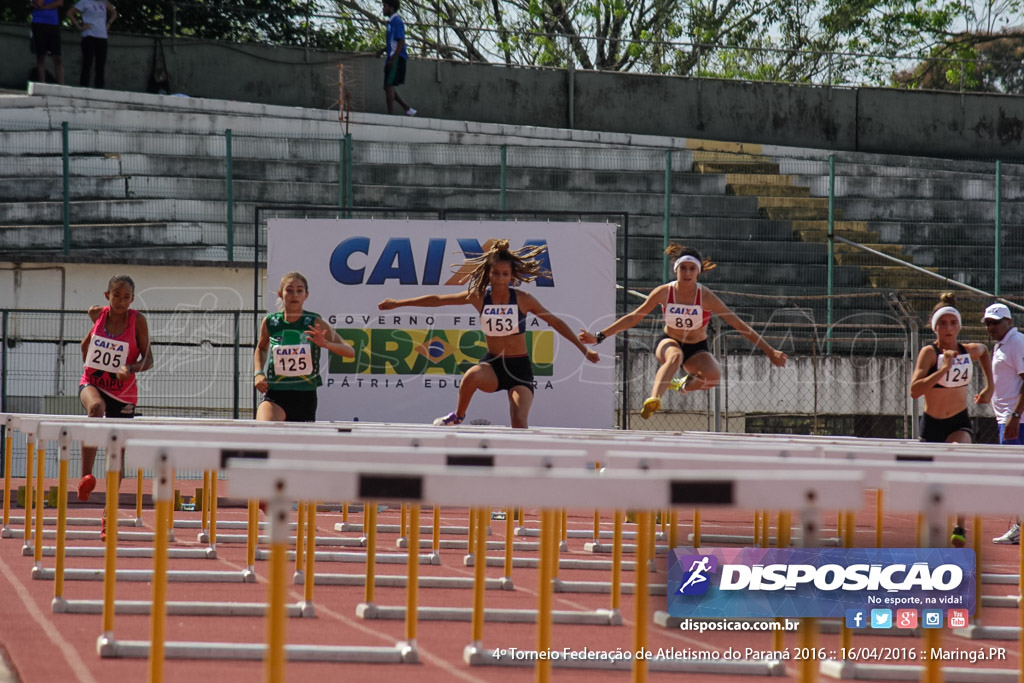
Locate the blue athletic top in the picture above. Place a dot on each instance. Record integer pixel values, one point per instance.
(46, 16)
(395, 31)
(513, 300)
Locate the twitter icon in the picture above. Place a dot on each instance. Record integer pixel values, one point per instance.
(881, 618)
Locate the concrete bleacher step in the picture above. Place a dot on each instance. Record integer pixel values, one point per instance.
(794, 208)
(967, 233)
(746, 167)
(887, 187)
(793, 274)
(929, 210)
(120, 235)
(768, 190)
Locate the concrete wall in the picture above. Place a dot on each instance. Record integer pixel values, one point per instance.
(74, 286)
(865, 119)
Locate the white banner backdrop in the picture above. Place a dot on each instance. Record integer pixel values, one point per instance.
(409, 361)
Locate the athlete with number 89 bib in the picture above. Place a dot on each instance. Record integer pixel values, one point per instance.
(687, 308)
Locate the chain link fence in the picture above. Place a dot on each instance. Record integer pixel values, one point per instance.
(850, 320)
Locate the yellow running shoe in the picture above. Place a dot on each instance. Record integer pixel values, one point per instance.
(679, 383)
(651, 406)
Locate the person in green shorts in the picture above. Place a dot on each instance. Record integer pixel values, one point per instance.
(287, 356)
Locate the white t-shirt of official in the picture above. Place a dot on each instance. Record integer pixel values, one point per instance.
(94, 12)
(1007, 367)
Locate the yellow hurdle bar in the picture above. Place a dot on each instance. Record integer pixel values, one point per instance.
(277, 591)
(809, 639)
(413, 580)
(30, 454)
(158, 611)
(436, 535)
(673, 529)
(110, 554)
(253, 533)
(214, 475)
(641, 597)
(170, 518)
(370, 529)
(542, 668)
(307, 586)
(479, 574)
(471, 545)
(617, 560)
(556, 543)
(300, 540)
(205, 524)
(403, 521)
(696, 528)
(138, 496)
(757, 529)
(37, 548)
(62, 525)
(8, 451)
(509, 536)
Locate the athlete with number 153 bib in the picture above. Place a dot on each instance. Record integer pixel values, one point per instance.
(507, 365)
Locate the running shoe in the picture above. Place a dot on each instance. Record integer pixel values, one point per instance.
(1011, 537)
(679, 383)
(85, 487)
(958, 539)
(411, 112)
(651, 406)
(103, 527)
(450, 420)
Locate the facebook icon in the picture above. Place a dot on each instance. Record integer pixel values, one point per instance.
(856, 618)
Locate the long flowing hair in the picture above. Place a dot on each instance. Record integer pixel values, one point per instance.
(674, 251)
(524, 262)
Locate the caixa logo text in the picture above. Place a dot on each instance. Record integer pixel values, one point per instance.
(397, 260)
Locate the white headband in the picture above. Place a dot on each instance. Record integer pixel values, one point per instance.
(943, 311)
(687, 259)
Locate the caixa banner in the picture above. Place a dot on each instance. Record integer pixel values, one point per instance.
(409, 361)
(818, 582)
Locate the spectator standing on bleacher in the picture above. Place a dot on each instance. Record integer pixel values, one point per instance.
(396, 57)
(93, 18)
(1008, 397)
(46, 37)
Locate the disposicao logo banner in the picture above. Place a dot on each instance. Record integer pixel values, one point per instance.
(817, 582)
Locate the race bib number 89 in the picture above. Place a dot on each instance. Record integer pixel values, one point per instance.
(293, 360)
(106, 354)
(683, 316)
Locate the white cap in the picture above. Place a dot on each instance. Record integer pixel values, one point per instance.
(996, 312)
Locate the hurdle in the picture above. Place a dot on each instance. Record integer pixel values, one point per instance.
(935, 495)
(872, 465)
(142, 451)
(479, 488)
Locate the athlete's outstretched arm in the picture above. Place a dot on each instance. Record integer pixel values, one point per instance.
(712, 303)
(427, 301)
(629, 320)
(535, 307)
